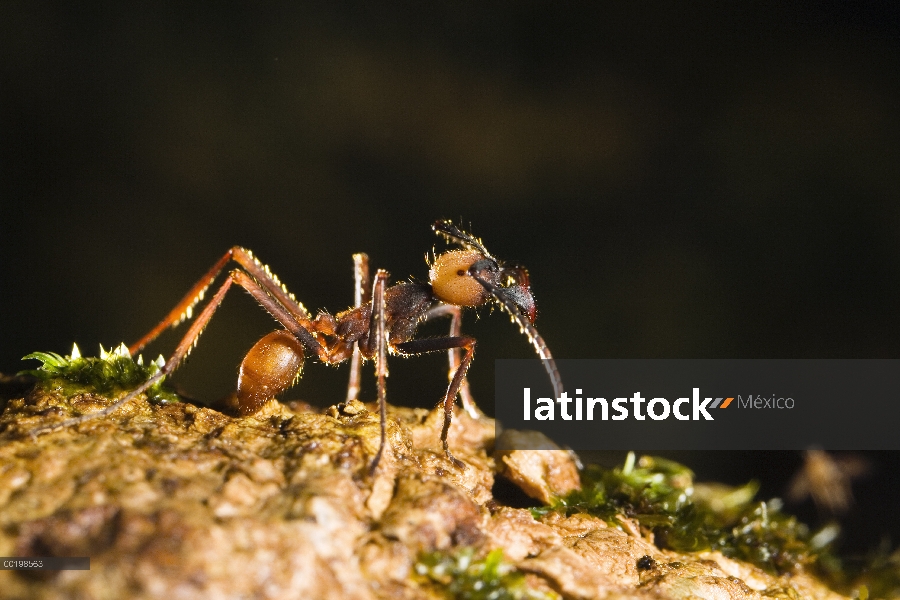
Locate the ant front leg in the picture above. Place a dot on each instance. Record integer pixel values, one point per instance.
(435, 345)
(455, 313)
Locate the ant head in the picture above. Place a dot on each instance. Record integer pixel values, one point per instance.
(472, 277)
(452, 283)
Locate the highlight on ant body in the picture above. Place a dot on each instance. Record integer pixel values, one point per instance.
(383, 320)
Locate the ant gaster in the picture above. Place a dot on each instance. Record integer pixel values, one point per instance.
(383, 319)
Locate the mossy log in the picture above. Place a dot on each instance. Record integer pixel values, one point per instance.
(173, 500)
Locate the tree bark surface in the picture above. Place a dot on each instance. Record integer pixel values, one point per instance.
(179, 501)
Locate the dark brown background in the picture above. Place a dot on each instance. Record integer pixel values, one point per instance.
(682, 181)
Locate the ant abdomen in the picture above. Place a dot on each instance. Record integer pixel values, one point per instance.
(271, 366)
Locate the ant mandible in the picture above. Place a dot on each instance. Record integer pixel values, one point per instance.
(383, 319)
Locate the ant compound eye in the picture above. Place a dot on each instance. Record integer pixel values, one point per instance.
(451, 282)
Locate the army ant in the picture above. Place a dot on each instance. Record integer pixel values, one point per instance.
(384, 319)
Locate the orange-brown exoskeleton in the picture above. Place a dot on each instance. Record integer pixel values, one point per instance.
(383, 319)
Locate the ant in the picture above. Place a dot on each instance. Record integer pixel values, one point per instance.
(383, 319)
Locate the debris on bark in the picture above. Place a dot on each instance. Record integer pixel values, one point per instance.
(544, 475)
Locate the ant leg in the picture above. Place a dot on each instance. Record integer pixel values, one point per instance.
(435, 345)
(377, 325)
(465, 394)
(189, 339)
(193, 334)
(184, 309)
(281, 313)
(361, 296)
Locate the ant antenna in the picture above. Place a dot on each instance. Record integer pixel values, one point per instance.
(452, 233)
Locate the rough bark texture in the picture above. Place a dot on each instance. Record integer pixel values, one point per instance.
(179, 501)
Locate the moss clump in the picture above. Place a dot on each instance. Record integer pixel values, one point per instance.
(661, 496)
(110, 373)
(463, 577)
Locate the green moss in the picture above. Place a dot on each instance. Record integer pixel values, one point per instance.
(463, 577)
(110, 373)
(661, 496)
